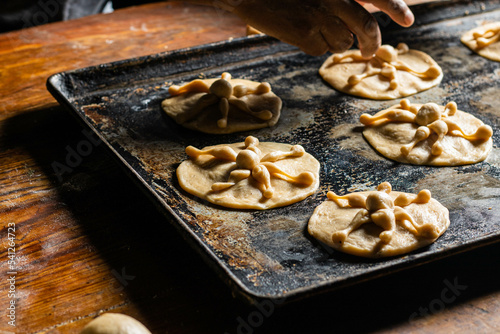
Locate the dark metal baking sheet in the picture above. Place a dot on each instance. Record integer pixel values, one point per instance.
(268, 254)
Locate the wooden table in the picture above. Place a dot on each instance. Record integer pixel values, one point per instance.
(92, 243)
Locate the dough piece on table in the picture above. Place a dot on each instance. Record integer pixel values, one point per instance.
(484, 40)
(225, 105)
(114, 323)
(428, 134)
(252, 31)
(379, 223)
(249, 175)
(389, 74)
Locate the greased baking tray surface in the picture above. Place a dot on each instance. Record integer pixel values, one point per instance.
(269, 254)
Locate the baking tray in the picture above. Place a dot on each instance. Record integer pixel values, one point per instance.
(269, 254)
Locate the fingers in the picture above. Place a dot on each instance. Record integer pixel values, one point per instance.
(336, 35)
(314, 45)
(369, 36)
(333, 36)
(361, 23)
(292, 23)
(397, 10)
(323, 25)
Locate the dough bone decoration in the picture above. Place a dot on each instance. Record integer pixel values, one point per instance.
(430, 119)
(391, 73)
(221, 92)
(487, 37)
(251, 164)
(379, 223)
(379, 208)
(484, 40)
(385, 63)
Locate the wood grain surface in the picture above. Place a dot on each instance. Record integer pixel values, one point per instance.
(90, 242)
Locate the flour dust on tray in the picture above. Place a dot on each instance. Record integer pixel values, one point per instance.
(379, 223)
(484, 40)
(250, 175)
(428, 134)
(390, 74)
(223, 105)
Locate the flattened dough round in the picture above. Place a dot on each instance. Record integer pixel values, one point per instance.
(388, 139)
(329, 218)
(196, 176)
(237, 121)
(378, 87)
(114, 323)
(491, 51)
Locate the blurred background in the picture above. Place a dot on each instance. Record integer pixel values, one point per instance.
(20, 14)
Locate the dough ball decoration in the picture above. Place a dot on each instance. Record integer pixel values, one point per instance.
(221, 106)
(379, 223)
(391, 73)
(484, 40)
(250, 175)
(428, 134)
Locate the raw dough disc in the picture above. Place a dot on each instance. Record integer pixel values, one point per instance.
(329, 218)
(388, 139)
(237, 121)
(114, 323)
(378, 87)
(491, 51)
(196, 176)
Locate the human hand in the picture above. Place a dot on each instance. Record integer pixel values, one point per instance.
(319, 26)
